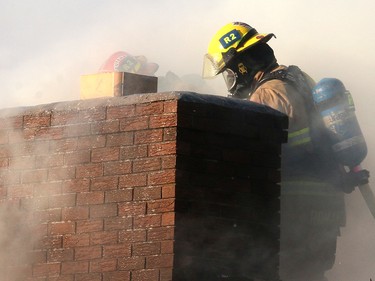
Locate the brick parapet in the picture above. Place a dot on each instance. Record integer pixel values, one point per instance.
(88, 188)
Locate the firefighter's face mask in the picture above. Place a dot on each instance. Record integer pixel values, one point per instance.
(230, 78)
(238, 79)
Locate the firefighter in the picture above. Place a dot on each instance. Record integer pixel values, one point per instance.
(312, 197)
(124, 62)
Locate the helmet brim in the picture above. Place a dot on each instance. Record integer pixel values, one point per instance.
(259, 38)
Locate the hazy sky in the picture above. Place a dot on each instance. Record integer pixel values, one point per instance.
(46, 45)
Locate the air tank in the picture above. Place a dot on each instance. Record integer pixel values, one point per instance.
(336, 107)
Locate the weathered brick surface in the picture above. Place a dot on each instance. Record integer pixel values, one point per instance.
(137, 188)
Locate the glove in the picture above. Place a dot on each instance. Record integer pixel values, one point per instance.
(352, 179)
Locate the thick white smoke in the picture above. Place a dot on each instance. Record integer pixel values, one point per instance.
(46, 46)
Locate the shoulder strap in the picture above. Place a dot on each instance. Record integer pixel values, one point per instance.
(295, 77)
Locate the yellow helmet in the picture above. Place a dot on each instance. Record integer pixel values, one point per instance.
(229, 41)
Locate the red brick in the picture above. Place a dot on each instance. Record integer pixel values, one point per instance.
(51, 160)
(160, 233)
(132, 180)
(147, 221)
(76, 185)
(87, 253)
(170, 106)
(61, 173)
(47, 189)
(147, 164)
(59, 278)
(22, 162)
(44, 216)
(30, 204)
(118, 223)
(168, 219)
(76, 240)
(147, 193)
(88, 142)
(64, 145)
(88, 277)
(120, 195)
(46, 269)
(74, 267)
(159, 261)
(162, 177)
(149, 108)
(117, 168)
(168, 191)
(120, 139)
(138, 235)
(63, 200)
(134, 123)
(77, 157)
(30, 121)
(160, 206)
(89, 198)
(131, 152)
(103, 154)
(160, 149)
(131, 263)
(167, 247)
(75, 213)
(104, 238)
(59, 255)
(11, 122)
(146, 249)
(119, 112)
(148, 136)
(49, 242)
(165, 120)
(60, 228)
(76, 130)
(24, 190)
(168, 162)
(65, 117)
(89, 226)
(43, 133)
(89, 170)
(104, 210)
(104, 265)
(145, 275)
(38, 256)
(117, 251)
(132, 208)
(32, 176)
(166, 274)
(104, 183)
(105, 127)
(117, 276)
(92, 114)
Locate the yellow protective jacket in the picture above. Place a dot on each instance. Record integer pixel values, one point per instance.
(299, 157)
(304, 172)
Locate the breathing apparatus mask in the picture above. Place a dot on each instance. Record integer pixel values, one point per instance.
(241, 69)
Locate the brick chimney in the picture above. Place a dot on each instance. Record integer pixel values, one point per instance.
(172, 186)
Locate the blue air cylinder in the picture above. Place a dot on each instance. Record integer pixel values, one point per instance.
(336, 107)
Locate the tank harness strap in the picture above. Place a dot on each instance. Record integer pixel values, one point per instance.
(295, 77)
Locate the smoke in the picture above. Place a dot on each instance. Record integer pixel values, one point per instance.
(46, 46)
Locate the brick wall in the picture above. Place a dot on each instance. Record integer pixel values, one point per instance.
(143, 187)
